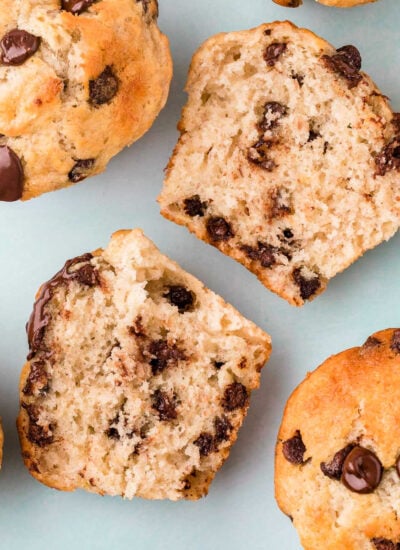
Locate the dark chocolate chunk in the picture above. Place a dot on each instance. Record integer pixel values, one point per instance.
(362, 471)
(165, 405)
(194, 206)
(38, 380)
(395, 342)
(293, 449)
(273, 111)
(180, 297)
(219, 229)
(76, 6)
(222, 428)
(264, 253)
(205, 443)
(347, 63)
(273, 52)
(334, 468)
(308, 286)
(389, 157)
(164, 355)
(11, 175)
(80, 170)
(39, 319)
(235, 396)
(17, 46)
(313, 135)
(288, 233)
(37, 434)
(103, 88)
(218, 364)
(385, 544)
(258, 154)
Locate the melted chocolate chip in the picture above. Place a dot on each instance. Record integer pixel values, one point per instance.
(288, 233)
(313, 135)
(385, 544)
(362, 471)
(193, 206)
(76, 6)
(219, 229)
(103, 88)
(37, 434)
(205, 443)
(258, 154)
(80, 170)
(371, 342)
(17, 46)
(235, 397)
(264, 253)
(164, 355)
(273, 111)
(308, 286)
(347, 63)
(334, 468)
(180, 297)
(222, 428)
(395, 341)
(293, 449)
(218, 364)
(113, 433)
(273, 52)
(38, 380)
(11, 175)
(165, 405)
(39, 319)
(389, 157)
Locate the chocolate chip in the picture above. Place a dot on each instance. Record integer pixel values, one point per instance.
(80, 170)
(385, 544)
(351, 55)
(273, 52)
(205, 443)
(180, 297)
(218, 364)
(347, 63)
(293, 449)
(38, 380)
(193, 206)
(371, 342)
(299, 78)
(288, 233)
(165, 405)
(222, 428)
(164, 355)
(264, 253)
(395, 342)
(258, 154)
(103, 88)
(39, 318)
(11, 175)
(37, 434)
(308, 285)
(76, 6)
(273, 111)
(17, 46)
(313, 135)
(219, 229)
(113, 433)
(334, 468)
(362, 471)
(389, 157)
(235, 396)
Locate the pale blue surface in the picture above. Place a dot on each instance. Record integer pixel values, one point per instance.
(37, 237)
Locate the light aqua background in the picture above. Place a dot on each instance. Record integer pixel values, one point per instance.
(37, 237)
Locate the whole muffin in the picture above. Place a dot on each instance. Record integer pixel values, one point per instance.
(79, 80)
(337, 468)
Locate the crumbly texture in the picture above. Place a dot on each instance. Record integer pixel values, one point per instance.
(138, 380)
(351, 399)
(94, 85)
(288, 157)
(332, 3)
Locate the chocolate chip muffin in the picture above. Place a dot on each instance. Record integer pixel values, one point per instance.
(288, 159)
(80, 80)
(337, 466)
(332, 3)
(138, 377)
